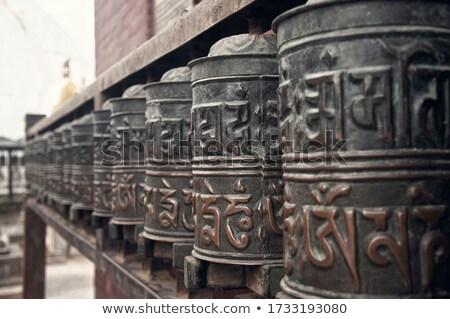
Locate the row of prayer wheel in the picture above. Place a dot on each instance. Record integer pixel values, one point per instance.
(325, 148)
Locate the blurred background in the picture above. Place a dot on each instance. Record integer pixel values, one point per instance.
(50, 50)
(47, 55)
(38, 37)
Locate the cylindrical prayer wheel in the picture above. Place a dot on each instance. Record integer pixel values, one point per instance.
(67, 163)
(82, 166)
(49, 166)
(236, 179)
(56, 166)
(36, 165)
(102, 168)
(168, 182)
(30, 166)
(43, 164)
(128, 130)
(364, 118)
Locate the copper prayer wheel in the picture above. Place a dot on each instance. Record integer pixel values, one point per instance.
(49, 166)
(37, 167)
(43, 165)
(237, 183)
(67, 163)
(128, 130)
(82, 165)
(364, 118)
(168, 182)
(102, 168)
(56, 166)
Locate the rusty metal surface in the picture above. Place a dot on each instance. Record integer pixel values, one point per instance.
(82, 175)
(168, 182)
(234, 111)
(102, 171)
(367, 213)
(128, 131)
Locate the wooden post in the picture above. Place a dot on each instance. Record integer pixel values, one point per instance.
(34, 256)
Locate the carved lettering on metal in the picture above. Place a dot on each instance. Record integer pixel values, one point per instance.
(211, 215)
(82, 191)
(286, 109)
(398, 247)
(434, 245)
(324, 112)
(238, 129)
(103, 193)
(244, 223)
(150, 202)
(170, 206)
(430, 105)
(293, 231)
(209, 132)
(347, 244)
(373, 104)
(188, 218)
(128, 194)
(162, 204)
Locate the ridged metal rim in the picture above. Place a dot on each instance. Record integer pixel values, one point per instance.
(230, 57)
(310, 6)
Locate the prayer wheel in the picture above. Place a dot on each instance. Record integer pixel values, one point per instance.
(364, 119)
(168, 183)
(236, 180)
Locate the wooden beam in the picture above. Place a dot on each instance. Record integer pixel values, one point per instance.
(82, 241)
(127, 275)
(34, 256)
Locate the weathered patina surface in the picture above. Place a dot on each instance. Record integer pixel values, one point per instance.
(102, 168)
(82, 175)
(363, 114)
(128, 132)
(168, 183)
(237, 179)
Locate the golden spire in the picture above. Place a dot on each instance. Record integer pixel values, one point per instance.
(69, 89)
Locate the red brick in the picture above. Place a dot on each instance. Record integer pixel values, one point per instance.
(120, 27)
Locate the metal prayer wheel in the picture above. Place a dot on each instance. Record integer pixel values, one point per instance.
(168, 182)
(82, 165)
(102, 169)
(363, 116)
(30, 166)
(36, 169)
(43, 164)
(67, 163)
(237, 185)
(56, 166)
(128, 129)
(49, 167)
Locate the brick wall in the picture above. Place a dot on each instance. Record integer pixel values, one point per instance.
(123, 25)
(120, 27)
